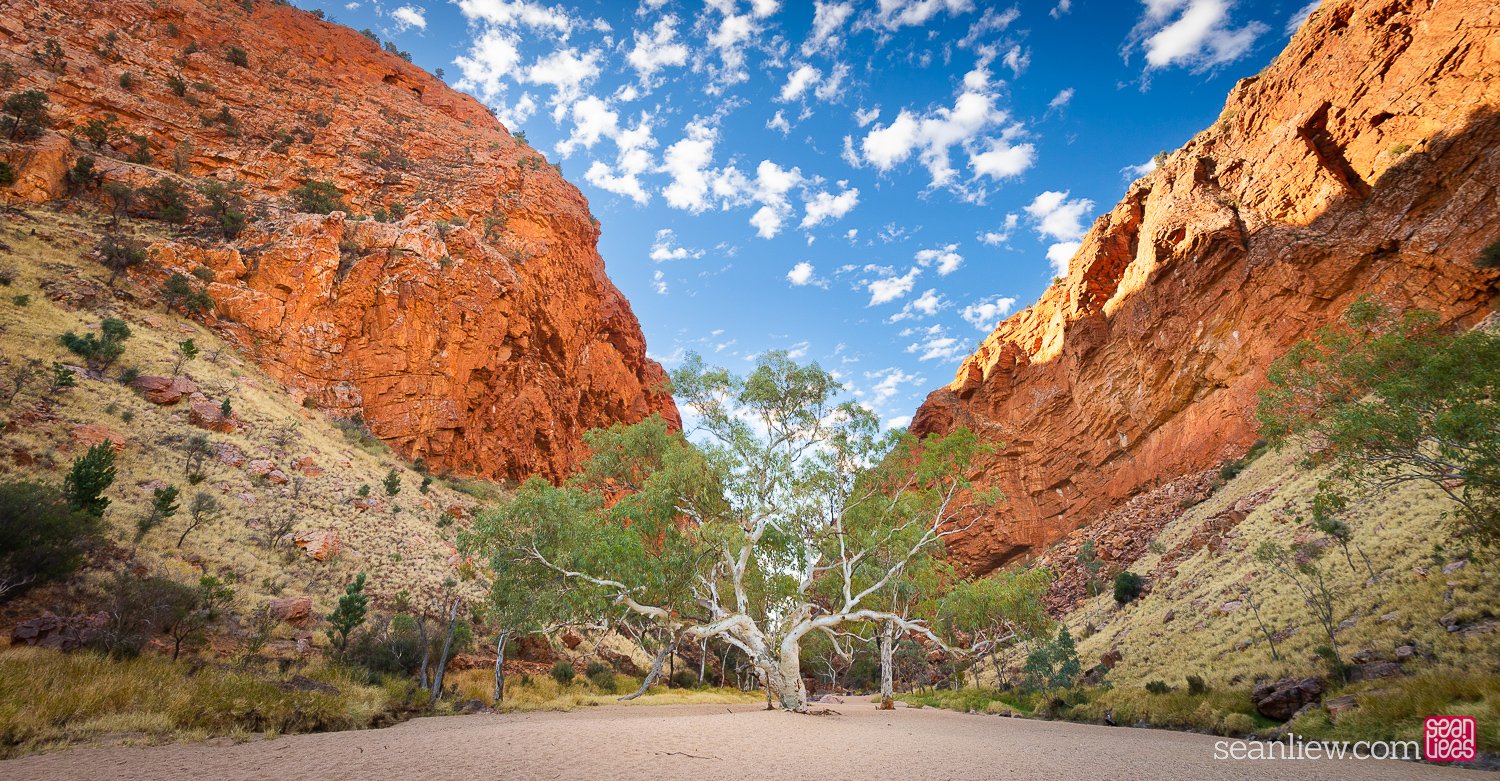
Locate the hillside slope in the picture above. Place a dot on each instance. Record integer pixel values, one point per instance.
(1361, 161)
(470, 322)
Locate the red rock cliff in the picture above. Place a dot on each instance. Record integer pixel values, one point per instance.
(1365, 159)
(473, 326)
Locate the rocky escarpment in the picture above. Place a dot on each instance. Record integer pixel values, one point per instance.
(1364, 160)
(453, 297)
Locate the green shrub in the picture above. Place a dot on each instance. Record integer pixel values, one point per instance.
(1128, 586)
(101, 350)
(1158, 687)
(7, 174)
(119, 254)
(318, 197)
(563, 672)
(237, 56)
(1489, 257)
(42, 537)
(167, 200)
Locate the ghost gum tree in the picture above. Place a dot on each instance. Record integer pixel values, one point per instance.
(789, 513)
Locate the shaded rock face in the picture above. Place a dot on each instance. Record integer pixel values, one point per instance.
(1362, 161)
(1281, 700)
(474, 328)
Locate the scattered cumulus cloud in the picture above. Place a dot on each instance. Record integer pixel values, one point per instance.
(823, 206)
(1299, 16)
(665, 248)
(1197, 34)
(986, 313)
(801, 274)
(409, 16)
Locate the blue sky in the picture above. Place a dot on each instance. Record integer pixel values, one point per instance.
(871, 184)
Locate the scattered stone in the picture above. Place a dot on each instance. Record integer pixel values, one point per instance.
(1389, 617)
(572, 639)
(1374, 671)
(831, 699)
(1454, 566)
(1284, 698)
(57, 632)
(1111, 658)
(1231, 606)
(229, 454)
(1405, 652)
(1167, 619)
(318, 544)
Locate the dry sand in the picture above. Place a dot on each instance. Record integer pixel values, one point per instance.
(709, 743)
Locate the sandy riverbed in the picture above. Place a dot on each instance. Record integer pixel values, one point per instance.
(702, 742)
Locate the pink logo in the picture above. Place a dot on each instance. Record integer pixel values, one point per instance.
(1449, 739)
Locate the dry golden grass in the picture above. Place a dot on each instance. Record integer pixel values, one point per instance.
(401, 544)
(539, 694)
(51, 700)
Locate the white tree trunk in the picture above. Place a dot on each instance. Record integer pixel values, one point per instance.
(887, 654)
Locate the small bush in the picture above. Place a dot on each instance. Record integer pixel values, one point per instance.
(7, 174)
(127, 82)
(167, 199)
(1489, 257)
(100, 350)
(318, 197)
(563, 672)
(1158, 687)
(1128, 586)
(1196, 685)
(119, 254)
(92, 473)
(237, 56)
(685, 679)
(1236, 724)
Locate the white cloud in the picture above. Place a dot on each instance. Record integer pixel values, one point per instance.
(1137, 171)
(827, 206)
(657, 50)
(1002, 160)
(932, 134)
(895, 14)
(1017, 59)
(659, 282)
(1063, 6)
(769, 188)
(890, 287)
(592, 120)
(567, 71)
(779, 123)
(1193, 33)
(925, 305)
(1001, 235)
(1300, 15)
(663, 249)
(1058, 217)
(686, 161)
(888, 383)
(828, 22)
(1060, 254)
(936, 346)
(1063, 98)
(798, 351)
(408, 16)
(801, 274)
(517, 13)
(946, 257)
(863, 117)
(986, 313)
(798, 82)
(492, 57)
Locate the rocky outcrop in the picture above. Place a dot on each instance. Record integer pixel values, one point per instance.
(452, 299)
(1361, 161)
(1284, 698)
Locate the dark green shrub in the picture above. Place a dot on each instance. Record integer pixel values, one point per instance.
(127, 82)
(42, 538)
(1489, 257)
(178, 86)
(226, 207)
(318, 197)
(139, 608)
(237, 56)
(99, 350)
(50, 56)
(1128, 586)
(595, 668)
(349, 614)
(1158, 687)
(685, 679)
(1196, 685)
(83, 175)
(167, 200)
(7, 174)
(563, 672)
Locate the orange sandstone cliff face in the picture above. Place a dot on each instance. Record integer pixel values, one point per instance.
(1364, 160)
(473, 326)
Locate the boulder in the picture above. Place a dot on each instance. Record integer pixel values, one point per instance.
(208, 415)
(165, 391)
(318, 544)
(296, 611)
(1282, 699)
(91, 434)
(1374, 671)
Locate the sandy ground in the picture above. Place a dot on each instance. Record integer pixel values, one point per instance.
(702, 742)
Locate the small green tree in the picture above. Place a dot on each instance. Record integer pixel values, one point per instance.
(167, 200)
(997, 612)
(1300, 566)
(225, 206)
(119, 254)
(101, 350)
(92, 473)
(187, 350)
(1088, 559)
(1053, 665)
(392, 483)
(163, 506)
(190, 612)
(25, 115)
(204, 509)
(349, 614)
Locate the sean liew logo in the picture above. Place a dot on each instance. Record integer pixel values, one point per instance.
(1449, 739)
